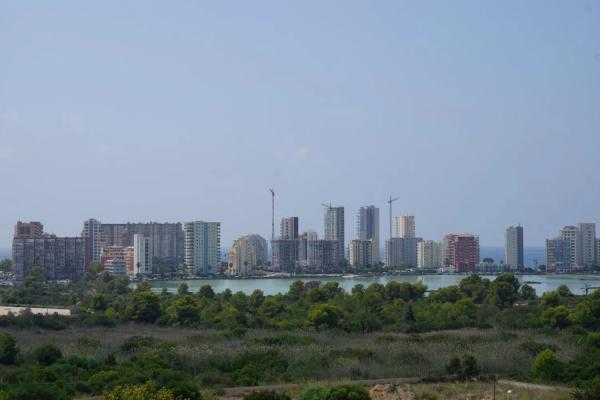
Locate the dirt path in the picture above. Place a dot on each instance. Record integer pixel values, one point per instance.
(532, 386)
(242, 390)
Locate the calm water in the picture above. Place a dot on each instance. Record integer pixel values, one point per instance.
(541, 283)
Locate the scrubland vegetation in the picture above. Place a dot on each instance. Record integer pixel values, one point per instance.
(186, 345)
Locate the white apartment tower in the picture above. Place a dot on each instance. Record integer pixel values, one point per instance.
(142, 255)
(367, 228)
(202, 247)
(429, 254)
(405, 226)
(246, 254)
(571, 234)
(513, 247)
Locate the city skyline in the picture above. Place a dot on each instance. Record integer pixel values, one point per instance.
(474, 123)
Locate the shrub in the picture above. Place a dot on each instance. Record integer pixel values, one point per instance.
(31, 391)
(454, 366)
(140, 392)
(589, 390)
(266, 395)
(315, 393)
(593, 340)
(347, 392)
(47, 354)
(8, 349)
(547, 366)
(470, 367)
(135, 343)
(535, 348)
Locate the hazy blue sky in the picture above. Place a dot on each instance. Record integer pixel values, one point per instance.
(477, 115)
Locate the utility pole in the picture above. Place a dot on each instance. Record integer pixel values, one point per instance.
(272, 214)
(390, 201)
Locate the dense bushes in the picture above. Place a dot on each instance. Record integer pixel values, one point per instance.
(8, 349)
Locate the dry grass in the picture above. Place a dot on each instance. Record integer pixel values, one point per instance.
(478, 390)
(332, 356)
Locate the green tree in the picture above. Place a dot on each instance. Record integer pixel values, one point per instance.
(6, 265)
(8, 348)
(502, 294)
(528, 292)
(47, 354)
(510, 279)
(556, 317)
(475, 287)
(325, 315)
(145, 306)
(547, 366)
(564, 291)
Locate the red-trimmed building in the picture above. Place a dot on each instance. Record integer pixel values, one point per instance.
(461, 252)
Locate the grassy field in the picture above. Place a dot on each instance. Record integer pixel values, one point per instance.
(314, 356)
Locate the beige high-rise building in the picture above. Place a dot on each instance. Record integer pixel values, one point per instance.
(429, 254)
(587, 244)
(405, 226)
(247, 253)
(571, 234)
(360, 253)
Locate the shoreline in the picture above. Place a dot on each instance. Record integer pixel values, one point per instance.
(353, 276)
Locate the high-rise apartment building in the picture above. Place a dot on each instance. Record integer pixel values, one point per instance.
(303, 241)
(513, 247)
(429, 254)
(324, 253)
(202, 247)
(461, 252)
(597, 252)
(61, 258)
(401, 251)
(167, 238)
(394, 252)
(143, 256)
(360, 253)
(289, 228)
(405, 226)
(367, 229)
(571, 234)
(334, 228)
(587, 244)
(558, 255)
(284, 254)
(247, 253)
(28, 230)
(92, 232)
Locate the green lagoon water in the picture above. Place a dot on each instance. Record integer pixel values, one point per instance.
(541, 283)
